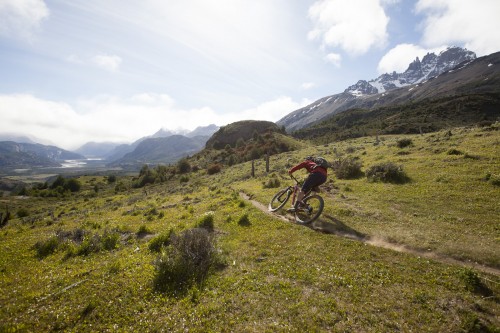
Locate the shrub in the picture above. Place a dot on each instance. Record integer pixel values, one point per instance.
(207, 222)
(473, 282)
(22, 212)
(402, 143)
(187, 261)
(111, 179)
(454, 151)
(73, 185)
(494, 179)
(143, 231)
(110, 240)
(160, 241)
(347, 168)
(4, 218)
(244, 220)
(183, 166)
(90, 244)
(213, 169)
(46, 247)
(58, 182)
(272, 182)
(120, 187)
(387, 173)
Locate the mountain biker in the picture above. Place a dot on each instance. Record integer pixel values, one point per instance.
(317, 176)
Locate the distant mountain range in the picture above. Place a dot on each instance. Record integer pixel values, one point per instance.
(162, 147)
(164, 150)
(374, 92)
(114, 151)
(27, 155)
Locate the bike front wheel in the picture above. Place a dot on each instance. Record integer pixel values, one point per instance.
(311, 210)
(279, 199)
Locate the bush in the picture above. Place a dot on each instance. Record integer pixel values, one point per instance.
(244, 221)
(454, 151)
(90, 244)
(22, 212)
(73, 185)
(46, 247)
(493, 179)
(347, 168)
(402, 143)
(160, 241)
(187, 261)
(272, 182)
(183, 166)
(387, 173)
(473, 282)
(143, 231)
(58, 182)
(207, 222)
(110, 240)
(213, 169)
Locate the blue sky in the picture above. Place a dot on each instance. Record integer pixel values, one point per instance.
(116, 70)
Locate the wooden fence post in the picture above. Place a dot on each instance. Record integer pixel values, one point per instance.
(267, 163)
(253, 168)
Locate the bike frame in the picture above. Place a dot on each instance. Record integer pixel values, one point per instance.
(296, 189)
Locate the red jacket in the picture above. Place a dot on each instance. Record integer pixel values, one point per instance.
(310, 166)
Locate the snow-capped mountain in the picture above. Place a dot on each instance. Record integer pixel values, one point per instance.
(419, 71)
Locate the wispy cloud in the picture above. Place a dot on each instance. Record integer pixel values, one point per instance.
(103, 61)
(107, 62)
(20, 18)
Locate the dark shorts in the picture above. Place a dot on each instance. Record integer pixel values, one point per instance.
(313, 180)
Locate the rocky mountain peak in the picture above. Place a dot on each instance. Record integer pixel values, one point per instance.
(362, 87)
(418, 70)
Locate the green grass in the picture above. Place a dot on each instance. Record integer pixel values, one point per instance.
(277, 276)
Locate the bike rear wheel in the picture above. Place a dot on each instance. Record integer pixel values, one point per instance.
(311, 211)
(279, 199)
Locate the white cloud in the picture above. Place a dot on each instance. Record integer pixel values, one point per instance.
(475, 24)
(272, 110)
(399, 57)
(354, 26)
(19, 18)
(107, 62)
(334, 58)
(110, 118)
(308, 85)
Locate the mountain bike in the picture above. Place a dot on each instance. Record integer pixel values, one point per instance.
(312, 206)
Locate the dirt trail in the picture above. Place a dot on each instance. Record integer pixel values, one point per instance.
(330, 225)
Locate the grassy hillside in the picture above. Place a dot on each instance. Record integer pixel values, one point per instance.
(424, 116)
(88, 262)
